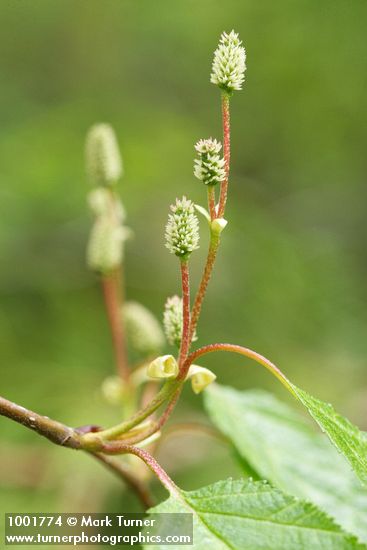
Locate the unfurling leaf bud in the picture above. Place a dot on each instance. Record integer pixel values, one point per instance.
(173, 321)
(200, 378)
(163, 367)
(144, 333)
(182, 229)
(105, 247)
(229, 64)
(209, 167)
(102, 155)
(218, 225)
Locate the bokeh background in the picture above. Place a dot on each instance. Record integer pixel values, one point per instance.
(291, 280)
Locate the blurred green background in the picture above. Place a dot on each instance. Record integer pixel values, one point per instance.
(291, 277)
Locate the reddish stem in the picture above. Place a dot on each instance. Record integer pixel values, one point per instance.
(156, 426)
(226, 152)
(211, 202)
(242, 351)
(214, 242)
(124, 472)
(185, 340)
(199, 298)
(116, 447)
(112, 295)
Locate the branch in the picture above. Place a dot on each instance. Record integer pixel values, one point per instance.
(226, 152)
(93, 441)
(200, 295)
(124, 473)
(214, 240)
(112, 294)
(185, 340)
(211, 202)
(115, 447)
(234, 348)
(51, 429)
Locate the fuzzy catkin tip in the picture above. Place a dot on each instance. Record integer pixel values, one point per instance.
(144, 333)
(102, 155)
(182, 229)
(105, 249)
(229, 63)
(210, 166)
(173, 321)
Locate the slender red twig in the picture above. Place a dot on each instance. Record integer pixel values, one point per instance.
(211, 202)
(200, 295)
(112, 295)
(185, 340)
(115, 447)
(214, 241)
(234, 348)
(124, 472)
(155, 426)
(226, 153)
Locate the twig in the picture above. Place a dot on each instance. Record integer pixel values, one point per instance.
(214, 240)
(211, 202)
(112, 289)
(185, 340)
(200, 295)
(51, 429)
(93, 441)
(124, 473)
(114, 447)
(226, 152)
(234, 348)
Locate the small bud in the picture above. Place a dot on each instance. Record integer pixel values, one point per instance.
(105, 247)
(182, 229)
(173, 321)
(229, 64)
(103, 202)
(200, 378)
(218, 225)
(144, 333)
(163, 367)
(103, 160)
(209, 167)
(113, 390)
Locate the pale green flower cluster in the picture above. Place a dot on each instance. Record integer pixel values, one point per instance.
(182, 229)
(105, 249)
(210, 166)
(143, 331)
(102, 155)
(173, 320)
(229, 64)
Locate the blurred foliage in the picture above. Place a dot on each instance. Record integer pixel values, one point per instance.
(292, 271)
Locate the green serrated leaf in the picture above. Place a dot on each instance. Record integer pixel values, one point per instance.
(248, 515)
(281, 446)
(347, 438)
